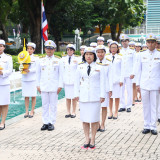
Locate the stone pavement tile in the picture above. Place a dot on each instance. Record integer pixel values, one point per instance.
(121, 140)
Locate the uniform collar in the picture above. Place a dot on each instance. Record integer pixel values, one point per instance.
(70, 56)
(114, 55)
(49, 57)
(98, 60)
(3, 54)
(92, 64)
(125, 48)
(152, 51)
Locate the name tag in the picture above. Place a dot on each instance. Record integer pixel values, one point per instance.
(97, 70)
(156, 58)
(74, 61)
(144, 57)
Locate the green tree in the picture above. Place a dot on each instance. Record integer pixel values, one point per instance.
(125, 13)
(5, 7)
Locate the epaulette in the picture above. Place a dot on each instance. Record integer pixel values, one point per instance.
(42, 56)
(64, 55)
(158, 50)
(102, 64)
(120, 54)
(8, 55)
(57, 57)
(108, 59)
(108, 53)
(77, 55)
(35, 55)
(142, 50)
(80, 63)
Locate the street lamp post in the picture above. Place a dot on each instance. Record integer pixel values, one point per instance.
(76, 38)
(89, 33)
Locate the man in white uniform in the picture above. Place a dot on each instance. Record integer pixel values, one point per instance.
(148, 80)
(49, 84)
(127, 73)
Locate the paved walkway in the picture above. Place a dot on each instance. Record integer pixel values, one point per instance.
(122, 140)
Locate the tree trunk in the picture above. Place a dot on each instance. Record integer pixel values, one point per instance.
(119, 32)
(4, 35)
(34, 11)
(113, 31)
(100, 30)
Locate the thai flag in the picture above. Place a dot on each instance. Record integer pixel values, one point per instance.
(44, 25)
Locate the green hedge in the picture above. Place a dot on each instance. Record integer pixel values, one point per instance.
(15, 58)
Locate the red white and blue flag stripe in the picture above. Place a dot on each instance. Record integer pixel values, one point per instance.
(44, 25)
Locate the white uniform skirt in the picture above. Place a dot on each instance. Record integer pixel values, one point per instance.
(90, 111)
(29, 89)
(69, 91)
(116, 93)
(106, 102)
(5, 94)
(134, 79)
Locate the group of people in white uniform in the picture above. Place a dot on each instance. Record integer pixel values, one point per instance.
(94, 79)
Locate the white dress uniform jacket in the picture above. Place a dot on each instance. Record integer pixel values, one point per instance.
(116, 68)
(148, 67)
(7, 65)
(107, 65)
(31, 75)
(90, 88)
(69, 70)
(49, 74)
(127, 61)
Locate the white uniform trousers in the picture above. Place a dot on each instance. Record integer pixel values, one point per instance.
(129, 87)
(150, 106)
(49, 107)
(159, 106)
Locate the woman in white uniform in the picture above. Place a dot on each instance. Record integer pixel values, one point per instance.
(6, 67)
(70, 63)
(117, 79)
(106, 62)
(90, 92)
(82, 48)
(135, 59)
(29, 88)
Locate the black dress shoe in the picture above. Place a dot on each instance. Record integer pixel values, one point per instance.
(50, 127)
(128, 109)
(115, 117)
(92, 146)
(154, 132)
(73, 116)
(86, 145)
(139, 101)
(102, 130)
(26, 115)
(31, 116)
(110, 117)
(159, 120)
(121, 110)
(133, 104)
(145, 131)
(136, 100)
(1, 128)
(44, 127)
(67, 115)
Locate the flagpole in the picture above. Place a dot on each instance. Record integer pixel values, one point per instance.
(41, 29)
